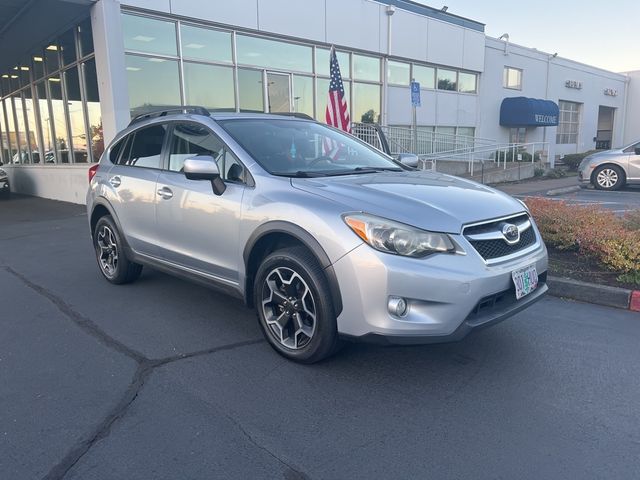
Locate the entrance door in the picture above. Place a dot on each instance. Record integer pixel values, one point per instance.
(278, 92)
(605, 128)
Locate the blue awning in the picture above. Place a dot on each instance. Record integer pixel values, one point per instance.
(528, 112)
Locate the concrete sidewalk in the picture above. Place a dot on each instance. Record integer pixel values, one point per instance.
(537, 187)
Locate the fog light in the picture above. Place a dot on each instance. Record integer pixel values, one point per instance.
(397, 306)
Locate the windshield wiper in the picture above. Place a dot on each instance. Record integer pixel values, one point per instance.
(377, 169)
(299, 174)
(359, 170)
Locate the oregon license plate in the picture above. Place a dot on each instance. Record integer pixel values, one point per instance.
(525, 280)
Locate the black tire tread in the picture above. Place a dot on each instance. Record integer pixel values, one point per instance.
(128, 271)
(303, 256)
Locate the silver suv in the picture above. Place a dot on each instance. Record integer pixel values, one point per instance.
(327, 237)
(611, 169)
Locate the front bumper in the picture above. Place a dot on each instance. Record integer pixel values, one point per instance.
(448, 294)
(584, 178)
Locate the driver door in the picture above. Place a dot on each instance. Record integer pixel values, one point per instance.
(198, 229)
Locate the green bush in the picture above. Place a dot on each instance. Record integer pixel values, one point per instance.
(555, 173)
(572, 160)
(538, 171)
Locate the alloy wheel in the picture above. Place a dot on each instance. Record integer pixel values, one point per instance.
(607, 178)
(107, 251)
(289, 308)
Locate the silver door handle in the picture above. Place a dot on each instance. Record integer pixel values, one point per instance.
(165, 193)
(115, 181)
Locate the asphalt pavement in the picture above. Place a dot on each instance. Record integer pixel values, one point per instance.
(620, 201)
(164, 379)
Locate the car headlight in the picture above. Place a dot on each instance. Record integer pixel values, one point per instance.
(397, 238)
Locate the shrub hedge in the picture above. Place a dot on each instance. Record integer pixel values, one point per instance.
(572, 160)
(611, 241)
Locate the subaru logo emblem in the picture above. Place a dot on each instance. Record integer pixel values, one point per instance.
(510, 233)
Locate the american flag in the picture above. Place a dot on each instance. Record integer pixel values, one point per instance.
(337, 113)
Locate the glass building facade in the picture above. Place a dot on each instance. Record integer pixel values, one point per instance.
(170, 62)
(50, 106)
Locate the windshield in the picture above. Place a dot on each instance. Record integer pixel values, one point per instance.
(303, 148)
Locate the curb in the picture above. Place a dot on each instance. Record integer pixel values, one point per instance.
(594, 293)
(560, 191)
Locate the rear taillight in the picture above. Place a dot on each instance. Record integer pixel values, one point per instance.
(92, 171)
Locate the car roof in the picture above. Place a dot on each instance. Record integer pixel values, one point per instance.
(258, 115)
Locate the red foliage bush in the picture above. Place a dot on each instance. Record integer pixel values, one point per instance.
(592, 231)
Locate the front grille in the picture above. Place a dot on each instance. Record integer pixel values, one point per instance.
(490, 249)
(498, 247)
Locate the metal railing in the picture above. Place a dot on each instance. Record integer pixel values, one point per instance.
(419, 141)
(432, 147)
(499, 154)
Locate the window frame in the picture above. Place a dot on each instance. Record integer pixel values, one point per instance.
(248, 178)
(505, 77)
(561, 131)
(129, 138)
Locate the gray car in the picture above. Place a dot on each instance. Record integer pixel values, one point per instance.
(611, 169)
(325, 236)
(5, 188)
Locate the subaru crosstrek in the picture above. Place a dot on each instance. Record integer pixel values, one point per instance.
(325, 236)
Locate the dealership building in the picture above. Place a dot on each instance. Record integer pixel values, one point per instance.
(74, 72)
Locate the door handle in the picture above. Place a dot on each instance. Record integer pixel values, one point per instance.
(165, 192)
(115, 181)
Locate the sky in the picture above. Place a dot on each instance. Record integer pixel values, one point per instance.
(604, 34)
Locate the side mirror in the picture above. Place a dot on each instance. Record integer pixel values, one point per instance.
(637, 150)
(408, 159)
(204, 167)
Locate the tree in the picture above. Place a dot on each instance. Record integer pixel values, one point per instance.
(97, 140)
(368, 117)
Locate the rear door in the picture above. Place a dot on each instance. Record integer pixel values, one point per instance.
(196, 228)
(132, 181)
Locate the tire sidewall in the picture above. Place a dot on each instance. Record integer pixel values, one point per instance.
(617, 185)
(324, 337)
(120, 273)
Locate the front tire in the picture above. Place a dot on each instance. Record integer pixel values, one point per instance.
(295, 312)
(608, 177)
(110, 253)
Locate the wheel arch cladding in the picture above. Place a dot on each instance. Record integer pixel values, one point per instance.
(98, 212)
(276, 235)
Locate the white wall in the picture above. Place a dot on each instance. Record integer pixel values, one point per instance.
(545, 76)
(632, 120)
(438, 107)
(57, 182)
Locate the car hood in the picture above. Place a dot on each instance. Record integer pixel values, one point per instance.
(607, 153)
(426, 200)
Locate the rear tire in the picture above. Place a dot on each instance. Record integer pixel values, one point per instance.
(110, 253)
(608, 177)
(295, 311)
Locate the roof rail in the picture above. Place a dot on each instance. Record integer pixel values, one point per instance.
(293, 114)
(164, 111)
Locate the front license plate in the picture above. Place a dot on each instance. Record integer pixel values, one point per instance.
(525, 280)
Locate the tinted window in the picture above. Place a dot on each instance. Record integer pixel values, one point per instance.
(190, 139)
(144, 147)
(115, 151)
